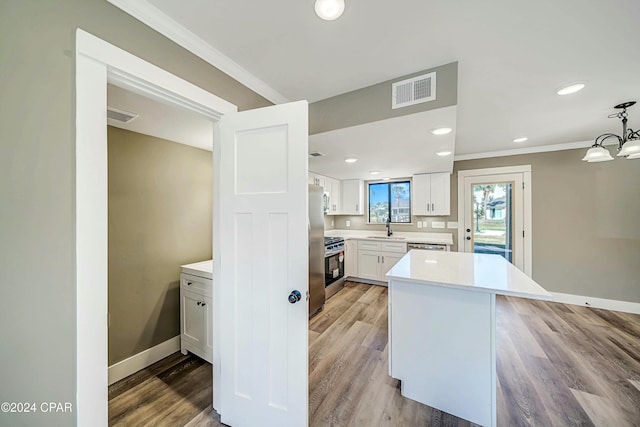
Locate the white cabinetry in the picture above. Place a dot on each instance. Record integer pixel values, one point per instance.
(332, 191)
(196, 320)
(351, 258)
(431, 194)
(376, 258)
(332, 188)
(352, 197)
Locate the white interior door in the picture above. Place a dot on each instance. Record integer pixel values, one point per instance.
(260, 258)
(494, 216)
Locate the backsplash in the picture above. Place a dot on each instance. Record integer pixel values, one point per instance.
(359, 223)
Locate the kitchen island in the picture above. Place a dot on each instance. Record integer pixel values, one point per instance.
(442, 328)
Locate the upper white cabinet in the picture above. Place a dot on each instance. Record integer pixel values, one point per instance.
(332, 190)
(431, 194)
(352, 197)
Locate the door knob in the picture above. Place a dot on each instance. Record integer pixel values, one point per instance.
(294, 297)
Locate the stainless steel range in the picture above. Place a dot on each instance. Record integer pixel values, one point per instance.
(333, 265)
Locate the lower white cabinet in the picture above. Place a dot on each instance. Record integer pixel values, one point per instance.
(351, 258)
(196, 320)
(376, 258)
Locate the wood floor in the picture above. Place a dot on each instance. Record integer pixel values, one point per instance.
(557, 365)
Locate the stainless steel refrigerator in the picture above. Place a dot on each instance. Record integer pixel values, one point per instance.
(316, 250)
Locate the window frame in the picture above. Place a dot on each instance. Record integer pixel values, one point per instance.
(408, 181)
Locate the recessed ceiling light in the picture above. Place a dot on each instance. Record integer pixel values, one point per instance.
(441, 131)
(374, 172)
(443, 153)
(329, 9)
(351, 160)
(573, 88)
(521, 139)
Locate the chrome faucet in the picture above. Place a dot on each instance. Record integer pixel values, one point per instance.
(388, 225)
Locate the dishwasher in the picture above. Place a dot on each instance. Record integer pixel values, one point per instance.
(427, 246)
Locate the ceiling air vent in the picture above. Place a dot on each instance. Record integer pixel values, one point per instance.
(413, 91)
(316, 154)
(120, 115)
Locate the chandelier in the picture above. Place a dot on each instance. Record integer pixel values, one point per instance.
(628, 143)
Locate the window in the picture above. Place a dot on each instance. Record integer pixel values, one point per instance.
(396, 195)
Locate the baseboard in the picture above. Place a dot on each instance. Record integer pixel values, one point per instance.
(607, 304)
(143, 359)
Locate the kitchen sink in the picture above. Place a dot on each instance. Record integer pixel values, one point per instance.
(386, 238)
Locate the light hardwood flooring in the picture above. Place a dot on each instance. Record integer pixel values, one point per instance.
(557, 365)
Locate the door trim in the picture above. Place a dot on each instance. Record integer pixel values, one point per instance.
(96, 64)
(525, 170)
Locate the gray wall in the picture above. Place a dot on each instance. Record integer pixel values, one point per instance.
(373, 103)
(586, 237)
(37, 183)
(160, 209)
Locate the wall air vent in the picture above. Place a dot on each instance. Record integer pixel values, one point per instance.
(316, 154)
(120, 115)
(413, 91)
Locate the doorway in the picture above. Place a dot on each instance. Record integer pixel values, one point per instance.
(494, 211)
(99, 63)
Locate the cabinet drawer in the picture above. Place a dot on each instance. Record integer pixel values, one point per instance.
(196, 284)
(400, 247)
(368, 245)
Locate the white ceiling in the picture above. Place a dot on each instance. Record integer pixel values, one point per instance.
(160, 120)
(398, 147)
(512, 57)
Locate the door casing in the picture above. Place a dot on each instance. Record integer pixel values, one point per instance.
(98, 63)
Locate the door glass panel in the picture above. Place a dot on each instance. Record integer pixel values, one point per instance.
(492, 231)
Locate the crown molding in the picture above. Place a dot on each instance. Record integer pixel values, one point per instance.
(160, 22)
(524, 150)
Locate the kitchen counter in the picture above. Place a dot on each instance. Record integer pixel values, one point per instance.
(200, 269)
(404, 236)
(442, 328)
(463, 270)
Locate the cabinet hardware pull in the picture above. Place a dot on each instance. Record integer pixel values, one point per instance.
(198, 302)
(203, 304)
(433, 207)
(188, 283)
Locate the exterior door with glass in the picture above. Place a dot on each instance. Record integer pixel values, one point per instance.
(494, 217)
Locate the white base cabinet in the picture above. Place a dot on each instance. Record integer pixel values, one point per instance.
(196, 320)
(351, 258)
(376, 258)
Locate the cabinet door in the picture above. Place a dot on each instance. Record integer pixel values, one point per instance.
(351, 261)
(440, 194)
(192, 318)
(334, 196)
(421, 194)
(388, 259)
(368, 265)
(352, 196)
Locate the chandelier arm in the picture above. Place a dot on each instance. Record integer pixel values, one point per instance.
(606, 136)
(633, 134)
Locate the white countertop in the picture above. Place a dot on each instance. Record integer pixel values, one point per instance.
(407, 236)
(480, 272)
(200, 269)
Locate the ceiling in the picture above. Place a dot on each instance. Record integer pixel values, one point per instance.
(512, 57)
(376, 146)
(160, 120)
